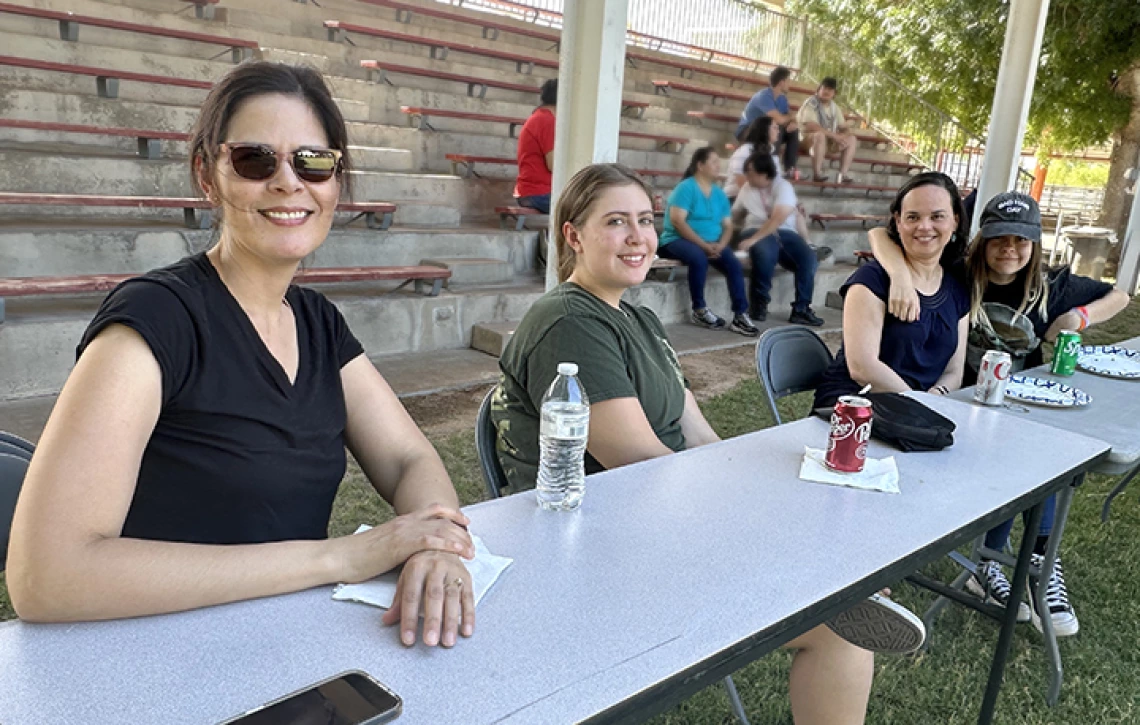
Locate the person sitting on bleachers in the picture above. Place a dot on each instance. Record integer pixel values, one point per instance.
(762, 135)
(892, 356)
(766, 210)
(825, 132)
(536, 152)
(641, 408)
(697, 233)
(194, 454)
(773, 102)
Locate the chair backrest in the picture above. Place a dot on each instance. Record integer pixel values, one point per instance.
(486, 438)
(12, 470)
(16, 446)
(789, 360)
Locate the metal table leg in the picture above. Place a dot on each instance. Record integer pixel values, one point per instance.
(1005, 639)
(1052, 651)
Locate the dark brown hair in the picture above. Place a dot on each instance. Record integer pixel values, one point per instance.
(955, 251)
(577, 201)
(260, 78)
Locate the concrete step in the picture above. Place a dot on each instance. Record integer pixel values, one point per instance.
(473, 271)
(37, 341)
(81, 249)
(671, 302)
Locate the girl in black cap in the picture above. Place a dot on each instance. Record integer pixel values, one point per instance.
(1016, 302)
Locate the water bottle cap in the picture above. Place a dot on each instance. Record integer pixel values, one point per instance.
(567, 369)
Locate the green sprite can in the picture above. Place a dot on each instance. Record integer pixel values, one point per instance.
(1065, 352)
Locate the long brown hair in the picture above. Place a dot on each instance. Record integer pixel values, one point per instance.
(577, 201)
(1035, 295)
(259, 78)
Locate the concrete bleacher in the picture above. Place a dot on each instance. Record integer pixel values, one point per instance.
(444, 215)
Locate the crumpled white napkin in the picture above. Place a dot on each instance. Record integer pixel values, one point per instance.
(878, 474)
(485, 568)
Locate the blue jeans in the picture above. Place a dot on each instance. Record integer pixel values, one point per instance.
(790, 251)
(539, 203)
(998, 537)
(698, 262)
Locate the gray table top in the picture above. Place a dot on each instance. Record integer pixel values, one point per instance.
(1113, 416)
(669, 563)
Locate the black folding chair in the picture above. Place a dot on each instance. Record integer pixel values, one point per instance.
(485, 445)
(12, 471)
(790, 360)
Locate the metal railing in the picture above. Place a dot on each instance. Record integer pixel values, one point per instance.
(1072, 200)
(738, 32)
(730, 32)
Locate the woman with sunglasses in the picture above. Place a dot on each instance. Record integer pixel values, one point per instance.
(195, 451)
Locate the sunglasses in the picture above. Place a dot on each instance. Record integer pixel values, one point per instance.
(257, 162)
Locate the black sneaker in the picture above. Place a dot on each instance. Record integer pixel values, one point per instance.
(1065, 622)
(805, 317)
(990, 583)
(821, 253)
(743, 325)
(706, 318)
(759, 312)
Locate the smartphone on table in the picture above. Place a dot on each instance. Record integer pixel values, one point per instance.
(350, 698)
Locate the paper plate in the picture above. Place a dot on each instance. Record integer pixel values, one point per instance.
(1110, 360)
(1045, 392)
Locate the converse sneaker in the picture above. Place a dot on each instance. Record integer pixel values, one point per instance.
(880, 625)
(989, 582)
(1057, 599)
(706, 318)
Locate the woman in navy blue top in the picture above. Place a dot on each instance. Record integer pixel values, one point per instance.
(928, 223)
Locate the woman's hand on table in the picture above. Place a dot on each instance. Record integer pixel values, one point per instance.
(438, 584)
(385, 547)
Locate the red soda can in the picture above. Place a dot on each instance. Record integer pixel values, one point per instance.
(850, 431)
(993, 376)
(658, 202)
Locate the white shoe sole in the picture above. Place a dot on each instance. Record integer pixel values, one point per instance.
(1024, 614)
(880, 625)
(1064, 628)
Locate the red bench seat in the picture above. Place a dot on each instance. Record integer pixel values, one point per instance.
(69, 28)
(378, 215)
(148, 140)
(491, 28)
(11, 287)
(439, 48)
(420, 116)
(107, 79)
(866, 221)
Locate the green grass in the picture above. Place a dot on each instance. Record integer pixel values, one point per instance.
(1102, 663)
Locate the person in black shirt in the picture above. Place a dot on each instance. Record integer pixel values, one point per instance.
(1005, 268)
(195, 451)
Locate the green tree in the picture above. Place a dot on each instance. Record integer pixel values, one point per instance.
(1087, 90)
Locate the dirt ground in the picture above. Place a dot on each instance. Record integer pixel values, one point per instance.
(709, 373)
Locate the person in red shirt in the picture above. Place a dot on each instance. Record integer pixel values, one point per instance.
(536, 152)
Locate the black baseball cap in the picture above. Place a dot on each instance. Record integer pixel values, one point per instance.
(1012, 213)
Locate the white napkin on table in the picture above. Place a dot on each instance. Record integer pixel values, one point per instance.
(485, 568)
(878, 474)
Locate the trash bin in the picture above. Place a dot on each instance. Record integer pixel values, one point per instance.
(1090, 248)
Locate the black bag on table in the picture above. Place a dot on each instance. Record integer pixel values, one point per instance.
(907, 424)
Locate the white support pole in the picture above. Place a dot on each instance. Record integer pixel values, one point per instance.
(590, 76)
(1128, 271)
(1023, 35)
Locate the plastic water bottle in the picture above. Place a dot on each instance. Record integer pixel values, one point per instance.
(562, 440)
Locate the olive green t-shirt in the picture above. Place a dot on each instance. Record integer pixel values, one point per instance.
(620, 354)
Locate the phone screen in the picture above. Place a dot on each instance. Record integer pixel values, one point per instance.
(349, 699)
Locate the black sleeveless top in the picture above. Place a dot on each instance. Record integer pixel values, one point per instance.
(238, 455)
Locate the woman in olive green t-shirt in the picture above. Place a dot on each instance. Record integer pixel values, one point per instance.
(640, 406)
